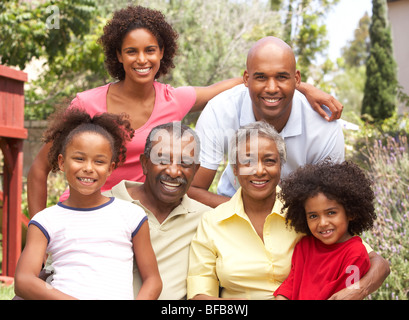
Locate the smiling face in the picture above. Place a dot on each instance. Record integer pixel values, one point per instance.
(327, 219)
(260, 175)
(140, 55)
(87, 163)
(170, 169)
(271, 78)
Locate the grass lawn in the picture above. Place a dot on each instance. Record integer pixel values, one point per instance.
(6, 292)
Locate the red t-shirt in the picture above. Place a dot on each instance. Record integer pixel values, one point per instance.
(171, 104)
(319, 270)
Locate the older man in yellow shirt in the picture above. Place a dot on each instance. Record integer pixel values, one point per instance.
(173, 217)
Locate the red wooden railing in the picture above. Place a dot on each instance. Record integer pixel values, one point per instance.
(12, 135)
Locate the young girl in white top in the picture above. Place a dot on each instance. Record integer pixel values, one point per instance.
(92, 239)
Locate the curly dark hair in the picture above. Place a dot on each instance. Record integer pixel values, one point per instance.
(131, 18)
(343, 182)
(65, 123)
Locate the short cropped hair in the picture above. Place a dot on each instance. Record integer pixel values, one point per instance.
(263, 129)
(178, 130)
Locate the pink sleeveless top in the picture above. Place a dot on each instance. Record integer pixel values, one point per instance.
(171, 104)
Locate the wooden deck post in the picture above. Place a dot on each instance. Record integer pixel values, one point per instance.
(12, 135)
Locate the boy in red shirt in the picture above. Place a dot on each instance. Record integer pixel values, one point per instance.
(332, 204)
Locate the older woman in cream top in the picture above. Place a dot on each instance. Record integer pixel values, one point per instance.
(243, 248)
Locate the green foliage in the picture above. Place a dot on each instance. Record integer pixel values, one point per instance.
(349, 73)
(356, 51)
(345, 78)
(388, 167)
(383, 151)
(81, 68)
(58, 37)
(301, 25)
(305, 31)
(43, 29)
(309, 41)
(349, 85)
(215, 36)
(369, 134)
(275, 4)
(6, 292)
(379, 100)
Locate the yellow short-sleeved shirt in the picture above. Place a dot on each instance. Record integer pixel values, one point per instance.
(227, 252)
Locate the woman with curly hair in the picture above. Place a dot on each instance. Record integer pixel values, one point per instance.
(332, 203)
(91, 239)
(139, 47)
(242, 249)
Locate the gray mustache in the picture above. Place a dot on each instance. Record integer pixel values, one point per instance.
(166, 178)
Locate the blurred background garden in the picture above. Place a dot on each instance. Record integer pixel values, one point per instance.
(55, 42)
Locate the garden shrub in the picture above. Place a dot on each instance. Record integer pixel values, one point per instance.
(388, 166)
